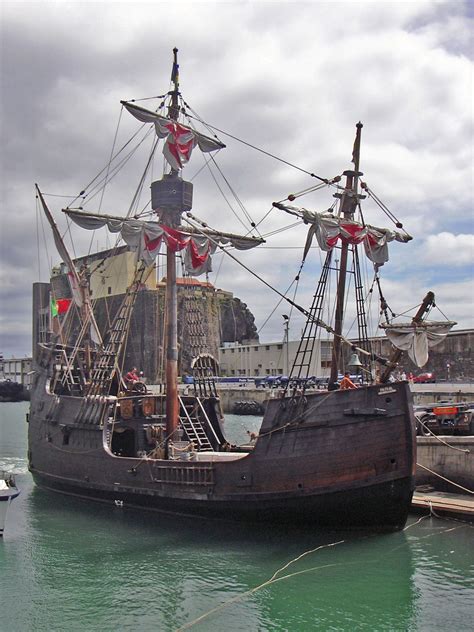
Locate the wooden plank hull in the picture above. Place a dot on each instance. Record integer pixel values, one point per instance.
(339, 459)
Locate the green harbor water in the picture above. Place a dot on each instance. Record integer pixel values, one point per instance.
(74, 565)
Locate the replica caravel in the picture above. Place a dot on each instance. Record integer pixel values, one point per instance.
(335, 457)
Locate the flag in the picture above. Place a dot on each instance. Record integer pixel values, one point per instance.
(175, 73)
(356, 148)
(59, 306)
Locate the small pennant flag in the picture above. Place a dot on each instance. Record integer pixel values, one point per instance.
(175, 73)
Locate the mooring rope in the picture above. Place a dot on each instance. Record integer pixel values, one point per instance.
(467, 451)
(469, 491)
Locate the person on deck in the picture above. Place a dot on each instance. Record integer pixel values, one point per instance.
(132, 376)
(346, 382)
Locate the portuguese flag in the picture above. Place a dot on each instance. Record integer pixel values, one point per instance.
(60, 306)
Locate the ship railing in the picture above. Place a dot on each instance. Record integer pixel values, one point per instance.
(190, 474)
(65, 371)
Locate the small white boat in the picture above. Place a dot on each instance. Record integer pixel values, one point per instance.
(8, 491)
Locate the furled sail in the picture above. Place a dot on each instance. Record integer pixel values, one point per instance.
(145, 238)
(329, 230)
(180, 139)
(418, 338)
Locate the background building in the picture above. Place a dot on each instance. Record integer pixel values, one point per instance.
(451, 360)
(274, 358)
(17, 370)
(208, 316)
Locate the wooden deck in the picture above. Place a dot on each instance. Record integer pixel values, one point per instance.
(444, 504)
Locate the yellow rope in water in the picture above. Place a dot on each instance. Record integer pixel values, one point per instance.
(273, 579)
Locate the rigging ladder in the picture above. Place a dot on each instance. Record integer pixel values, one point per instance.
(304, 354)
(106, 362)
(204, 366)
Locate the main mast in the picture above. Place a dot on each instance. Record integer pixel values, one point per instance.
(349, 204)
(171, 196)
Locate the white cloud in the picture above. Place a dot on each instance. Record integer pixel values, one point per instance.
(447, 249)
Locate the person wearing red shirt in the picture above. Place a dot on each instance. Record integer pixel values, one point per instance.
(132, 376)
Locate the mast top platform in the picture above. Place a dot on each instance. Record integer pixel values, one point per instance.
(352, 173)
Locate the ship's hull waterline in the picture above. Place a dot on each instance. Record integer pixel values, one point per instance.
(342, 458)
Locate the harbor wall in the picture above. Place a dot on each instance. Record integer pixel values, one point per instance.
(454, 460)
(230, 395)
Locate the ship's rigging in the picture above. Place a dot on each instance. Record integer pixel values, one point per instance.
(335, 230)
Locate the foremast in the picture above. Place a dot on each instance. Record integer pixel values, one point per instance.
(349, 202)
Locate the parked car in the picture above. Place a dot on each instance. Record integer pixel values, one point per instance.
(424, 378)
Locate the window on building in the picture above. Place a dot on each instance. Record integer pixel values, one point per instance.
(232, 350)
(223, 351)
(267, 347)
(325, 364)
(279, 346)
(267, 371)
(255, 348)
(109, 290)
(232, 372)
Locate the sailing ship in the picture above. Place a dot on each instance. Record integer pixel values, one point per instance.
(336, 457)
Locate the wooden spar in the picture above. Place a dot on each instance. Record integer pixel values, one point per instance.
(172, 401)
(349, 201)
(86, 307)
(397, 354)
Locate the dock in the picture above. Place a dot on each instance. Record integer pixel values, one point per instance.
(444, 504)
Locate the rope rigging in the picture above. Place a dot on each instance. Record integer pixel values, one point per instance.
(118, 159)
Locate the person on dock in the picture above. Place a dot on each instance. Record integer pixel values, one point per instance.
(346, 382)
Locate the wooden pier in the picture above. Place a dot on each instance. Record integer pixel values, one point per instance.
(444, 504)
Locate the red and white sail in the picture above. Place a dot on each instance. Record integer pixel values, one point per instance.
(145, 238)
(329, 230)
(180, 139)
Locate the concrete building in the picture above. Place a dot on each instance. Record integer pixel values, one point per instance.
(16, 370)
(451, 360)
(274, 358)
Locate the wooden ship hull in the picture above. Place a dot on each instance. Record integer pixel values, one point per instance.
(341, 458)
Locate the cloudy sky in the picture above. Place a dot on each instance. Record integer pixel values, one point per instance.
(292, 78)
